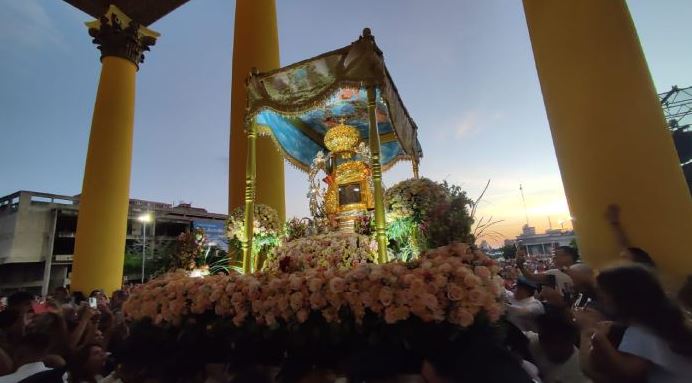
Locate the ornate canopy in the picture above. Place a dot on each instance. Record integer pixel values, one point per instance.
(298, 103)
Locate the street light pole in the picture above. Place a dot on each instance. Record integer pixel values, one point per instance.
(144, 218)
(144, 245)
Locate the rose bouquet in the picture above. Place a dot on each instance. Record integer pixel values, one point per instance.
(451, 284)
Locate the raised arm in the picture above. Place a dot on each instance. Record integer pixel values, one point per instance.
(613, 217)
(521, 265)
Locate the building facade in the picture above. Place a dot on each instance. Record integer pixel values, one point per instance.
(542, 245)
(37, 235)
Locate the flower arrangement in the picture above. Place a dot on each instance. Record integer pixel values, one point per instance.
(325, 251)
(267, 231)
(452, 284)
(424, 214)
(297, 228)
(413, 198)
(364, 225)
(188, 247)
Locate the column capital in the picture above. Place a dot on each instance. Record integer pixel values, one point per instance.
(117, 35)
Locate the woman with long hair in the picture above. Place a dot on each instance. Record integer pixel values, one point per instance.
(657, 345)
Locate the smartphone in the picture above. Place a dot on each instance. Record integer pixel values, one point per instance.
(92, 302)
(581, 303)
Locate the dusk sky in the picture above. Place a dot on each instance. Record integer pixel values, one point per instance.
(464, 70)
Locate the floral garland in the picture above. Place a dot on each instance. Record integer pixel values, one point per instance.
(326, 251)
(452, 284)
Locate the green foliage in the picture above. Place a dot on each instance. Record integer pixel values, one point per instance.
(509, 251)
(450, 221)
(404, 235)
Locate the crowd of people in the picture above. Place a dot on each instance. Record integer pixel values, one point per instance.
(564, 323)
(619, 325)
(60, 338)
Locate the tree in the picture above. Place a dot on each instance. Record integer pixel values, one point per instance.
(509, 251)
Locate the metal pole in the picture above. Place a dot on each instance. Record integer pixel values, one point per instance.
(374, 137)
(144, 244)
(249, 198)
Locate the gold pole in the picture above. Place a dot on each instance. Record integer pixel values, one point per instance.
(610, 136)
(103, 207)
(255, 45)
(377, 178)
(250, 170)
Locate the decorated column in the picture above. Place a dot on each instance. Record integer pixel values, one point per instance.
(380, 225)
(250, 176)
(255, 45)
(609, 132)
(103, 205)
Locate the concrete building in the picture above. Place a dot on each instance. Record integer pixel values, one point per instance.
(37, 235)
(542, 245)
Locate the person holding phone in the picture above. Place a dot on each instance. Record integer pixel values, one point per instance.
(565, 256)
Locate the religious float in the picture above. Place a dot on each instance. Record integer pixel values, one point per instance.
(324, 289)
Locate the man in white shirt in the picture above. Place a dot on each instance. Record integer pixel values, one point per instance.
(29, 357)
(522, 307)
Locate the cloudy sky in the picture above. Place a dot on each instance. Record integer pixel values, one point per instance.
(464, 69)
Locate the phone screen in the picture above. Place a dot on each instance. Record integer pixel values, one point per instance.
(92, 303)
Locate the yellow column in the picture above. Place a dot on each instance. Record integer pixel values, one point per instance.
(255, 44)
(609, 132)
(380, 224)
(103, 206)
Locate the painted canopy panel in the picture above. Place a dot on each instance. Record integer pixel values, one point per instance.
(297, 104)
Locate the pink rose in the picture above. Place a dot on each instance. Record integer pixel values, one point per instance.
(462, 317)
(444, 268)
(302, 315)
(314, 284)
(366, 298)
(471, 280)
(386, 296)
(476, 297)
(295, 282)
(337, 285)
(454, 293)
(360, 272)
(317, 300)
(429, 300)
(482, 272)
(296, 300)
(439, 281)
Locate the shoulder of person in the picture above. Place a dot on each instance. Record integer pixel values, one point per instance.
(642, 342)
